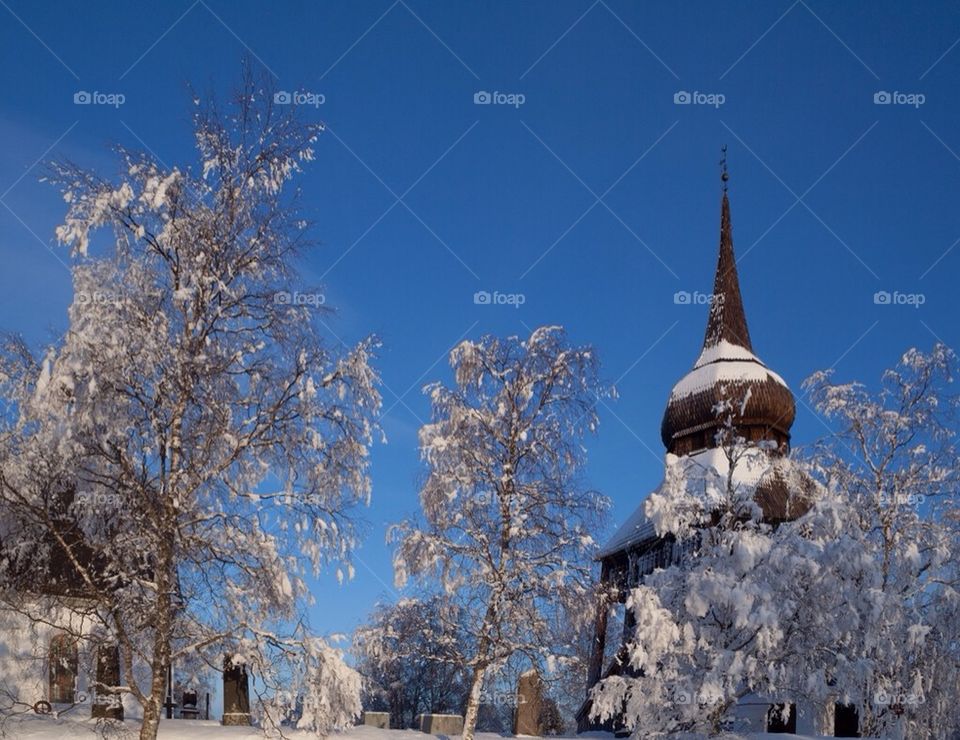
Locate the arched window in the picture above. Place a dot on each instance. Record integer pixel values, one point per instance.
(63, 669)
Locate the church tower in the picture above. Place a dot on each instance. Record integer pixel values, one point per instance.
(727, 370)
(727, 386)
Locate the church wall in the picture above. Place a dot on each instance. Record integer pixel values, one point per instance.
(815, 718)
(751, 713)
(25, 660)
(24, 648)
(812, 718)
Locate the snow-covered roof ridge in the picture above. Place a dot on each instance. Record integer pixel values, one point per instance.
(708, 375)
(725, 351)
(638, 528)
(635, 529)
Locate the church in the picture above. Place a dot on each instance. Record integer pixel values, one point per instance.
(692, 430)
(56, 657)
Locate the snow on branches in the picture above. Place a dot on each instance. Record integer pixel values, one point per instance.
(506, 528)
(206, 445)
(854, 602)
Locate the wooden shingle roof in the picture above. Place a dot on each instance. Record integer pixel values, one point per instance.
(727, 375)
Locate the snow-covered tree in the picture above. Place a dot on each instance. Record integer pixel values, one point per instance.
(328, 692)
(895, 462)
(193, 446)
(411, 655)
(408, 655)
(853, 602)
(706, 626)
(506, 526)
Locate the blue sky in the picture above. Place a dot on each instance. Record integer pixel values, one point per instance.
(597, 198)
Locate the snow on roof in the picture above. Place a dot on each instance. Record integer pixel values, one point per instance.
(724, 350)
(751, 466)
(636, 529)
(707, 373)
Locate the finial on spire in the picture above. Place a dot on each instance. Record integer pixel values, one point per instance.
(724, 175)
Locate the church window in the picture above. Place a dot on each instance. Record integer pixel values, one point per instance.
(63, 669)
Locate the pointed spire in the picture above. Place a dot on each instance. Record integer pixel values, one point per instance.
(727, 321)
(727, 371)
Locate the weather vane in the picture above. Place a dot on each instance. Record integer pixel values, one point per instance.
(724, 175)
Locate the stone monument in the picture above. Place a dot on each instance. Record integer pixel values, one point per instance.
(236, 694)
(526, 718)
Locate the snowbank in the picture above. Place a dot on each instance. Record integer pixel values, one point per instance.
(34, 727)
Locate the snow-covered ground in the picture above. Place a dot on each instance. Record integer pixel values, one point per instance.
(47, 728)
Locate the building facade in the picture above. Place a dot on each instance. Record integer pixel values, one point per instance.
(692, 429)
(55, 655)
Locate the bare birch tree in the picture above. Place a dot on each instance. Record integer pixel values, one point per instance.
(506, 528)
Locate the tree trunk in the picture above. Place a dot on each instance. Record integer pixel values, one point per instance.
(151, 719)
(165, 577)
(473, 703)
(160, 658)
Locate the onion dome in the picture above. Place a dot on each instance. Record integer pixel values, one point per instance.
(727, 380)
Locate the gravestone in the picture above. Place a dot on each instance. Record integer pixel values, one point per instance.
(107, 704)
(380, 720)
(236, 694)
(526, 718)
(189, 708)
(440, 724)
